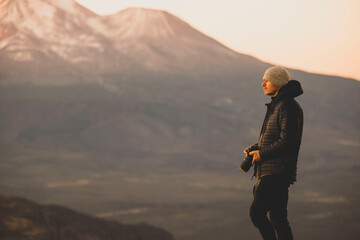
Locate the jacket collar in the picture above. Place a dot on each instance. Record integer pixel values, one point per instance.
(291, 90)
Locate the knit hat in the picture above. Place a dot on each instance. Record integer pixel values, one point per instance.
(277, 75)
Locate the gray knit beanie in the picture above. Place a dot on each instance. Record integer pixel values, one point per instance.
(277, 75)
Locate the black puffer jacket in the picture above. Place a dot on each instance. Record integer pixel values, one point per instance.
(281, 133)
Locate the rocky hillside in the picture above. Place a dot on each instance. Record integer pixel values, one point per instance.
(21, 219)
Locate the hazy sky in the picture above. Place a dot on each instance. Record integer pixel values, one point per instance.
(321, 36)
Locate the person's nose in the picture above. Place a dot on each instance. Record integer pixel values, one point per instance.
(263, 84)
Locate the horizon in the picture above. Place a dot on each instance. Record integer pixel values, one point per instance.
(321, 43)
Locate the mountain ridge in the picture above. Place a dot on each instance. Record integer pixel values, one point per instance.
(127, 42)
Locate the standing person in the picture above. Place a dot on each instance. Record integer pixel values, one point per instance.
(275, 155)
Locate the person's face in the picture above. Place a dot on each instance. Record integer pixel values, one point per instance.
(269, 88)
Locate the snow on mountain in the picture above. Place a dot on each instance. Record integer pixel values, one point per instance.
(48, 27)
(157, 40)
(133, 23)
(68, 33)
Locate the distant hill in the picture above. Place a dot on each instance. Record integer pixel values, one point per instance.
(21, 219)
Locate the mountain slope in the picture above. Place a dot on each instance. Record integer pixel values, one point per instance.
(23, 219)
(45, 27)
(154, 38)
(53, 39)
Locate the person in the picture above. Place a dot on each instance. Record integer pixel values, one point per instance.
(275, 155)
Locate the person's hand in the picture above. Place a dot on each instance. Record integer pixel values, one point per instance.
(246, 150)
(256, 156)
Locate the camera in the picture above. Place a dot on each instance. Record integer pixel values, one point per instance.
(247, 162)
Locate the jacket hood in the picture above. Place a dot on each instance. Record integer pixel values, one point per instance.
(291, 90)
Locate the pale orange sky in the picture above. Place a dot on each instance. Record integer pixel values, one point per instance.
(321, 36)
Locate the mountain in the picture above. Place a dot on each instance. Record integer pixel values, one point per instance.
(139, 110)
(132, 39)
(24, 219)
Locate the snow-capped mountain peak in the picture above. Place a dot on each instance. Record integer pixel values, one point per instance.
(66, 32)
(140, 22)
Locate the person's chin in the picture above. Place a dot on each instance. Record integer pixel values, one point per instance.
(269, 93)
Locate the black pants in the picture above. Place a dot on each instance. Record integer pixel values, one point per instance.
(271, 195)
